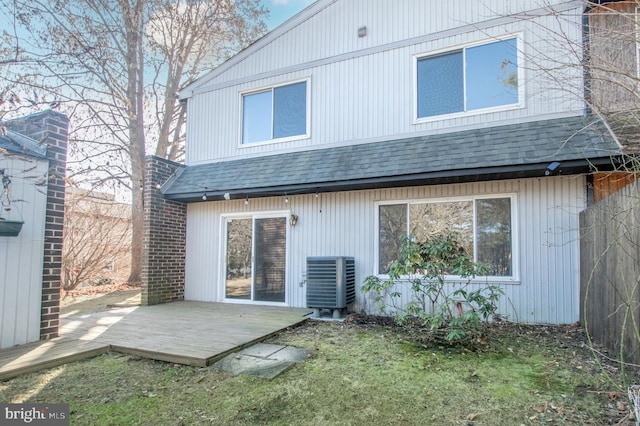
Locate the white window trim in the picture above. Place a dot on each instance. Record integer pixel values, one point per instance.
(307, 133)
(515, 253)
(521, 78)
(223, 255)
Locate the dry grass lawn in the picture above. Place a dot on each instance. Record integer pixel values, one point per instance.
(364, 372)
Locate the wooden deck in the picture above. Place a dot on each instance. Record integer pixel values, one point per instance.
(193, 333)
(36, 356)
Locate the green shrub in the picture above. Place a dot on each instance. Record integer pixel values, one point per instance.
(452, 311)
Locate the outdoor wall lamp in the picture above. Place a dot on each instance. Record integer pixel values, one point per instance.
(293, 219)
(227, 196)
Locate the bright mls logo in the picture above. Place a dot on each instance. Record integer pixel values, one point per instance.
(34, 414)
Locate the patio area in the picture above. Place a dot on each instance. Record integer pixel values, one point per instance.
(192, 333)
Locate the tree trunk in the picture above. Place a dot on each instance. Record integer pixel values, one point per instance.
(137, 220)
(135, 94)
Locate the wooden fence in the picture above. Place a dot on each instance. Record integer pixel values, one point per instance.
(610, 273)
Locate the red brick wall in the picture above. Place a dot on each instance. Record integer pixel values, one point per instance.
(165, 228)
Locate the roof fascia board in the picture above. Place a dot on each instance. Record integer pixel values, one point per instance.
(570, 167)
(197, 87)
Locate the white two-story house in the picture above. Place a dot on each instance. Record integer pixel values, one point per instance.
(358, 122)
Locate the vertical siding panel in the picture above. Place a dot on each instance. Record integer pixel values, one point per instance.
(23, 299)
(566, 267)
(528, 254)
(10, 297)
(543, 247)
(579, 185)
(546, 246)
(21, 257)
(536, 246)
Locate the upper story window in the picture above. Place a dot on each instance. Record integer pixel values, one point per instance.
(485, 227)
(276, 113)
(472, 78)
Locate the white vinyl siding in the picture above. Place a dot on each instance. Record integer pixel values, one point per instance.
(21, 257)
(364, 88)
(344, 224)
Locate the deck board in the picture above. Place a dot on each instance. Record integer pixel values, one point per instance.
(193, 333)
(196, 333)
(36, 356)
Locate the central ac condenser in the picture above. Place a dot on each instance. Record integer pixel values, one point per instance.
(331, 282)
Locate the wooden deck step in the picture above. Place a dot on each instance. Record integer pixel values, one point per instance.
(36, 356)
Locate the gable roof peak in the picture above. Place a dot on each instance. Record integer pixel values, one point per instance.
(314, 8)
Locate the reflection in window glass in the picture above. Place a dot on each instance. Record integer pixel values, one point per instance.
(483, 226)
(473, 78)
(440, 85)
(290, 112)
(427, 220)
(494, 234)
(492, 75)
(256, 124)
(391, 234)
(277, 113)
(239, 243)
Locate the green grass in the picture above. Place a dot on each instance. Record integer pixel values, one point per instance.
(360, 375)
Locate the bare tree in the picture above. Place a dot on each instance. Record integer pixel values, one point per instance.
(12, 55)
(117, 66)
(97, 238)
(188, 38)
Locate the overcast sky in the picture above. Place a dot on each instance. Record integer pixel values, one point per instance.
(281, 10)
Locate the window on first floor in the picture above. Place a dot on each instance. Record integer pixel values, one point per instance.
(484, 227)
(275, 113)
(467, 79)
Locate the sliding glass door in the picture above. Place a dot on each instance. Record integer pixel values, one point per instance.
(256, 251)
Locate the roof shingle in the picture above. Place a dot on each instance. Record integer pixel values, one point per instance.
(452, 154)
(20, 144)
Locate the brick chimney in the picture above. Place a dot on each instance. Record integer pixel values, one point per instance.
(50, 129)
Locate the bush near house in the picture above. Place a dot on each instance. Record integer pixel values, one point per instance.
(452, 313)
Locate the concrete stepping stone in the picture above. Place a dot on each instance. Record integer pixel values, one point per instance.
(263, 360)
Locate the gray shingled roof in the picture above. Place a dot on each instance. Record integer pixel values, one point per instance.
(477, 154)
(20, 144)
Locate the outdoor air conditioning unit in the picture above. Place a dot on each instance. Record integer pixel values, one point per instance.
(331, 283)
